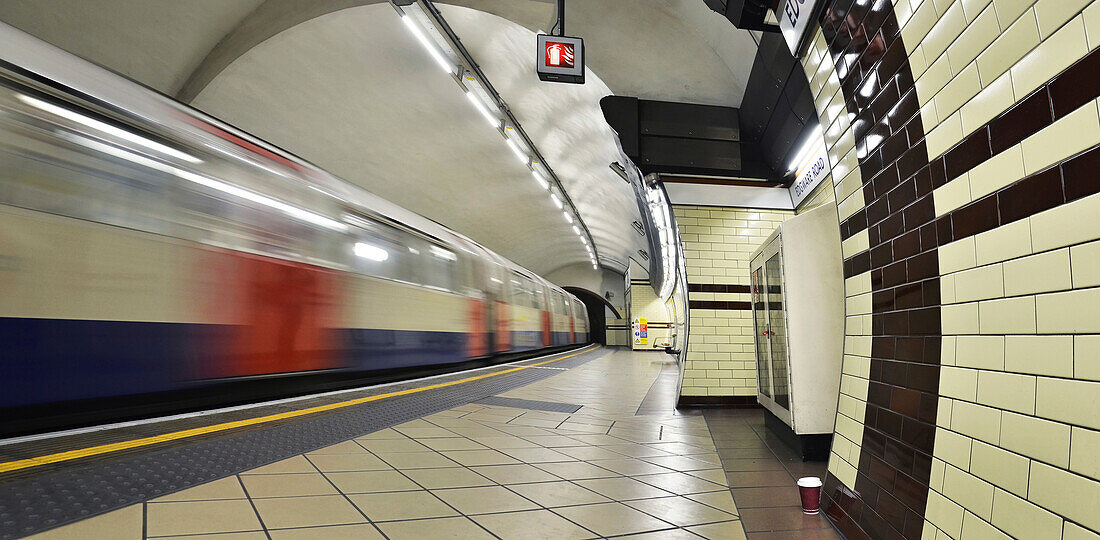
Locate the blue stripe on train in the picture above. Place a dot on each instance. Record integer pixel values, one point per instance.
(559, 338)
(526, 340)
(48, 360)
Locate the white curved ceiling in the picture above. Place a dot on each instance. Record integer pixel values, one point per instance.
(349, 89)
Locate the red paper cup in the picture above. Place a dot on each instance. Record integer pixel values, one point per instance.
(809, 488)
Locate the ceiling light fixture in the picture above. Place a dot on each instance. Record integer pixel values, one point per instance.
(811, 143)
(484, 110)
(422, 37)
(516, 150)
(557, 201)
(540, 179)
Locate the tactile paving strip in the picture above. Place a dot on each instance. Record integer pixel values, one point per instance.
(534, 405)
(34, 504)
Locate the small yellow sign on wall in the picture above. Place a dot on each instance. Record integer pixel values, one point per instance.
(641, 331)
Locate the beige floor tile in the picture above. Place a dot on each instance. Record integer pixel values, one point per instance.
(636, 450)
(668, 534)
(346, 447)
(729, 530)
(200, 517)
(721, 500)
(478, 432)
(679, 449)
(452, 443)
(394, 445)
(552, 494)
(504, 441)
(553, 441)
(680, 483)
(363, 531)
(534, 422)
(449, 477)
(484, 500)
(576, 470)
(622, 488)
(401, 505)
(287, 485)
(122, 524)
(424, 432)
(434, 529)
(718, 476)
(680, 511)
(611, 519)
(629, 466)
(683, 463)
(588, 452)
(520, 473)
(418, 423)
(250, 535)
(388, 433)
(523, 431)
(599, 439)
(292, 512)
(224, 488)
(371, 481)
(473, 458)
(348, 462)
(582, 428)
(296, 464)
(534, 524)
(537, 455)
(416, 460)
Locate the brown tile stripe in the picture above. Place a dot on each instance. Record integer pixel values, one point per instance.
(717, 288)
(891, 488)
(719, 304)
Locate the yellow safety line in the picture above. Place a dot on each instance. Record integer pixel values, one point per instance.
(114, 447)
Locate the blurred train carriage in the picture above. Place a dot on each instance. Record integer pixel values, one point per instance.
(154, 258)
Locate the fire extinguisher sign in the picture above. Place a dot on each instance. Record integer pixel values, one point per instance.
(560, 59)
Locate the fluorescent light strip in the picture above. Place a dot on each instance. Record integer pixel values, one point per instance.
(422, 37)
(484, 110)
(576, 230)
(811, 143)
(557, 201)
(519, 153)
(291, 210)
(568, 217)
(540, 179)
(107, 128)
(371, 251)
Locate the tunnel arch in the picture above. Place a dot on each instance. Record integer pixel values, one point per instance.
(595, 305)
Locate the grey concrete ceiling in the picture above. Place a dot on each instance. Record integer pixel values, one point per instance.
(342, 83)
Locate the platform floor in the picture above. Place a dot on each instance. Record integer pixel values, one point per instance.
(593, 450)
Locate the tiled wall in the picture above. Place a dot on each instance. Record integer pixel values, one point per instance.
(718, 243)
(644, 303)
(964, 138)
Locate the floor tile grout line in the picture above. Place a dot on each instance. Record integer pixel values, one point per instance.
(256, 511)
(344, 495)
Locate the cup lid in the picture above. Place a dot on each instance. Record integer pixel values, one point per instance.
(809, 481)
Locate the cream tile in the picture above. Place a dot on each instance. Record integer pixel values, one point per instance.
(953, 448)
(1012, 45)
(454, 527)
(532, 524)
(959, 383)
(200, 517)
(396, 445)
(336, 532)
(1073, 531)
(1009, 10)
(1007, 316)
(576, 470)
(1052, 14)
(537, 455)
(484, 500)
(1067, 136)
(287, 485)
(945, 514)
(958, 255)
(371, 481)
(346, 447)
(944, 136)
(1053, 55)
(959, 318)
(952, 195)
(1071, 223)
(1070, 401)
(472, 458)
(1036, 438)
(451, 477)
(424, 432)
(514, 474)
(981, 283)
(1069, 312)
(250, 535)
(963, 86)
(1004, 469)
(1075, 497)
(622, 488)
(285, 513)
(983, 423)
(1044, 272)
(225, 488)
(974, 527)
(611, 519)
(980, 32)
(631, 466)
(1092, 28)
(401, 505)
(973, 493)
(1040, 355)
(983, 352)
(348, 462)
(998, 171)
(1086, 357)
(120, 524)
(1086, 265)
(1007, 391)
(943, 33)
(1084, 448)
(387, 433)
(1022, 519)
(679, 483)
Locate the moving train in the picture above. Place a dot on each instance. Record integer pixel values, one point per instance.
(151, 255)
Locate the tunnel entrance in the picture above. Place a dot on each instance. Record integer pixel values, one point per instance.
(596, 307)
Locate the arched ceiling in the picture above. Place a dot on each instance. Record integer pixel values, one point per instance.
(343, 84)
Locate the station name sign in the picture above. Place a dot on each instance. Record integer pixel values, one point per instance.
(560, 59)
(811, 171)
(794, 17)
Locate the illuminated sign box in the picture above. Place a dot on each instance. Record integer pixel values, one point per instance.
(560, 59)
